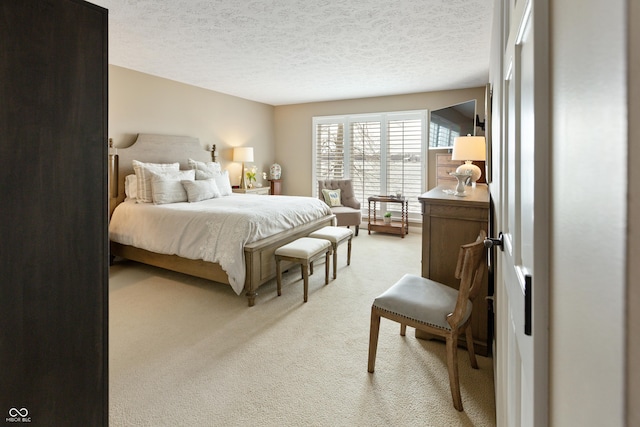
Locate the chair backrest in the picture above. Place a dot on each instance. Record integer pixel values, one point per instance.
(347, 195)
(470, 270)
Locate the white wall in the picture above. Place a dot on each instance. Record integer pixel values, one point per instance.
(589, 189)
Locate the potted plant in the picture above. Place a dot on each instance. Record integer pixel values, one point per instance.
(387, 218)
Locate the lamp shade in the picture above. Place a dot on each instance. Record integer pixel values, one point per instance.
(243, 154)
(469, 148)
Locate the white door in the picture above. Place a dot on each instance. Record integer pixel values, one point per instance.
(520, 192)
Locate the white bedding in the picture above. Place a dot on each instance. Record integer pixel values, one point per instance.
(214, 230)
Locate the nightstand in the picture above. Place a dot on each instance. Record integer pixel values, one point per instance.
(263, 191)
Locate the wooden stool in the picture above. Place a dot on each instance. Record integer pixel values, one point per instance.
(337, 236)
(303, 251)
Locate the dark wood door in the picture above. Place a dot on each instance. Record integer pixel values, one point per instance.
(53, 232)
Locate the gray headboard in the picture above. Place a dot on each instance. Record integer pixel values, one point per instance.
(153, 149)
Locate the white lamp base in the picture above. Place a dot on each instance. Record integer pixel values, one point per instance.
(476, 173)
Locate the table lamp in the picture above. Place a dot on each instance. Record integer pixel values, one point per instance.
(469, 148)
(243, 154)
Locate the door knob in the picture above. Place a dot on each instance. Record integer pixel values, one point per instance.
(491, 242)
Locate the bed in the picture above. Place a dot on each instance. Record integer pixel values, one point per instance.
(229, 239)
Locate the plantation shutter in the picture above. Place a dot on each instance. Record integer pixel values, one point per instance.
(404, 161)
(330, 151)
(365, 166)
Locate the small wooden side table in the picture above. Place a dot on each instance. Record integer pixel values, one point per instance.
(394, 227)
(276, 186)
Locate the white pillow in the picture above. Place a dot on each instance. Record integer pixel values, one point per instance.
(200, 174)
(143, 177)
(131, 186)
(222, 181)
(166, 187)
(212, 167)
(199, 190)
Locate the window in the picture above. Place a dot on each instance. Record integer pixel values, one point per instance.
(329, 140)
(381, 153)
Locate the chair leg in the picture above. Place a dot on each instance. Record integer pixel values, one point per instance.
(452, 366)
(403, 329)
(349, 251)
(326, 268)
(335, 262)
(305, 279)
(279, 276)
(358, 229)
(373, 339)
(470, 349)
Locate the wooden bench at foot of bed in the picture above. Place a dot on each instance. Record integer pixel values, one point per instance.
(259, 258)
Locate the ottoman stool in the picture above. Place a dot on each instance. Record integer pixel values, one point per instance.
(337, 236)
(303, 251)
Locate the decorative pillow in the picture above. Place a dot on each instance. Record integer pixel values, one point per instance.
(130, 187)
(222, 181)
(200, 174)
(199, 190)
(331, 197)
(143, 177)
(166, 187)
(212, 167)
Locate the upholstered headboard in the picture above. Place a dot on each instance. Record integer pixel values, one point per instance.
(153, 149)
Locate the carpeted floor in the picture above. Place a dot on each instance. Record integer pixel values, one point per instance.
(188, 352)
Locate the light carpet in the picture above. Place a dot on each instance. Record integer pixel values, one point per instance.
(189, 352)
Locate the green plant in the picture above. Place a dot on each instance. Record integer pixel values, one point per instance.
(387, 215)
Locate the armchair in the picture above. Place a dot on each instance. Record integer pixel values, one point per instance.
(349, 213)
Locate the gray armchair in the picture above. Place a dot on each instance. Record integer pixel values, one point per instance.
(349, 213)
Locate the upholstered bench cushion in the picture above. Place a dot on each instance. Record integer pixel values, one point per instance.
(303, 248)
(421, 299)
(333, 234)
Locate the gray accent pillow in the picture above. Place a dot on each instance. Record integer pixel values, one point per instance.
(199, 190)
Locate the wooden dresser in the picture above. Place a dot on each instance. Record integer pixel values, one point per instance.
(447, 223)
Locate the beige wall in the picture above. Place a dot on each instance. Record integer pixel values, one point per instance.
(141, 103)
(293, 127)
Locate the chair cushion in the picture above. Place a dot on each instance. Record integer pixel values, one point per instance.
(333, 234)
(421, 299)
(347, 216)
(303, 248)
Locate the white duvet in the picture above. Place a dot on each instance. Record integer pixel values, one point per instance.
(214, 230)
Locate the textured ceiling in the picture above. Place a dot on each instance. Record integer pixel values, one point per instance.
(294, 51)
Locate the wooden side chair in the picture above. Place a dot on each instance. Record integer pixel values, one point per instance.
(436, 309)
